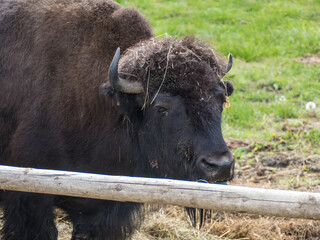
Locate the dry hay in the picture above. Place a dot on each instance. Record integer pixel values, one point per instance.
(170, 223)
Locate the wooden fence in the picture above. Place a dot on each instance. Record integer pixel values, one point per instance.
(292, 204)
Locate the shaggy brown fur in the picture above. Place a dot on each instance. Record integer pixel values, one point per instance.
(54, 54)
(51, 45)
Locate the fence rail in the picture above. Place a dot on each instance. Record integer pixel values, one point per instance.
(292, 204)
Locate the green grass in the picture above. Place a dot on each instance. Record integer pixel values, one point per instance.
(264, 37)
(251, 29)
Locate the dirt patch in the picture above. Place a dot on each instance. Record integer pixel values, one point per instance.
(234, 143)
(311, 59)
(279, 170)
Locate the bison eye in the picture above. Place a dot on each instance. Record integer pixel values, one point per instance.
(163, 111)
(223, 98)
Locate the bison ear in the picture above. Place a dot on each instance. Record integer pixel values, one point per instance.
(229, 88)
(106, 90)
(230, 62)
(125, 103)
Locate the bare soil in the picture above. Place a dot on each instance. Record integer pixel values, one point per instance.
(311, 59)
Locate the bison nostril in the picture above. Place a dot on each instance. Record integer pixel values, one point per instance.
(82, 236)
(214, 163)
(208, 163)
(216, 168)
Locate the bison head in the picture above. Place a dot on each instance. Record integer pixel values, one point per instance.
(172, 92)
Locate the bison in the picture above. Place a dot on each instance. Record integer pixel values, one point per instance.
(70, 100)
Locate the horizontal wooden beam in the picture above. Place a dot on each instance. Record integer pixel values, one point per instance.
(292, 204)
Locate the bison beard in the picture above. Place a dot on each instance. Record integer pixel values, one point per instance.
(157, 113)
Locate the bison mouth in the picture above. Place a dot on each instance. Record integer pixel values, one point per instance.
(198, 216)
(225, 182)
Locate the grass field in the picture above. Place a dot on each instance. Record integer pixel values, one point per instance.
(276, 72)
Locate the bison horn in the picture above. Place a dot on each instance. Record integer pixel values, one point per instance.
(229, 66)
(118, 83)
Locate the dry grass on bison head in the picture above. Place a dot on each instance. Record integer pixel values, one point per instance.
(184, 67)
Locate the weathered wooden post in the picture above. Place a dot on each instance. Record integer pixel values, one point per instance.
(292, 204)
